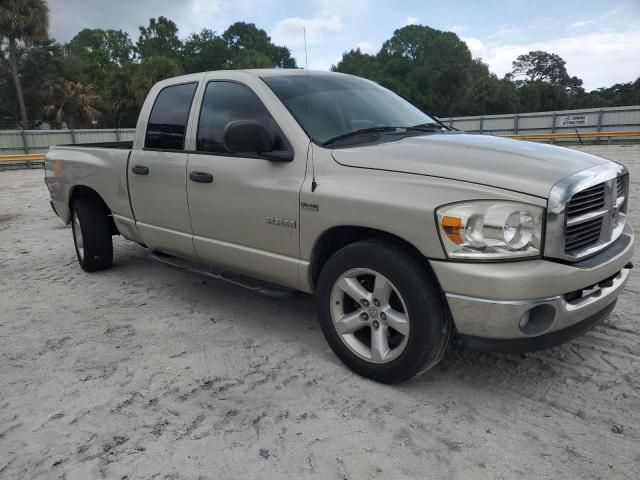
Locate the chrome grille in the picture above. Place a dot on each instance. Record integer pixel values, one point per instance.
(586, 201)
(620, 186)
(586, 212)
(584, 218)
(583, 234)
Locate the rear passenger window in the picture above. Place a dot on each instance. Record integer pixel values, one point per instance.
(168, 120)
(226, 102)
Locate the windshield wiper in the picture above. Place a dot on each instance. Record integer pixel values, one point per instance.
(360, 131)
(423, 127)
(428, 127)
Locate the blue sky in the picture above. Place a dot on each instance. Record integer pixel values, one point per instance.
(600, 40)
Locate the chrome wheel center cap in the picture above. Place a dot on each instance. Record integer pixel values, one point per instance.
(373, 312)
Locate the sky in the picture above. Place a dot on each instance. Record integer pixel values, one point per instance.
(599, 39)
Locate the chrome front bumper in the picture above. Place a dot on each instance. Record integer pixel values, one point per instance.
(525, 301)
(528, 318)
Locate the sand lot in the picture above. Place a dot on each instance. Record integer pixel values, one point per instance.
(147, 372)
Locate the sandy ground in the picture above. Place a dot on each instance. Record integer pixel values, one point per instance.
(144, 371)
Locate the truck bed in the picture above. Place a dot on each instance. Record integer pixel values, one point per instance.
(101, 167)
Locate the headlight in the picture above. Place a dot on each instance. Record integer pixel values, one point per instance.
(488, 230)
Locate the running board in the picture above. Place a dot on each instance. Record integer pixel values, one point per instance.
(263, 288)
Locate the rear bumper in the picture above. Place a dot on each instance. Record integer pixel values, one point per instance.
(533, 304)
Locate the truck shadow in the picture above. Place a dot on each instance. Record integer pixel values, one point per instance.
(600, 357)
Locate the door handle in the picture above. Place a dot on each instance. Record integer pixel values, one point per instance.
(201, 177)
(140, 170)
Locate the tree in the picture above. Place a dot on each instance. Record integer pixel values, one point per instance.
(120, 97)
(540, 66)
(251, 47)
(250, 59)
(106, 72)
(72, 103)
(430, 67)
(205, 51)
(21, 23)
(487, 94)
(159, 39)
(148, 73)
(103, 46)
(357, 63)
(45, 63)
(620, 93)
(98, 54)
(542, 96)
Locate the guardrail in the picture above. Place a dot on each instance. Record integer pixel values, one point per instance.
(575, 135)
(606, 119)
(30, 157)
(38, 141)
(17, 161)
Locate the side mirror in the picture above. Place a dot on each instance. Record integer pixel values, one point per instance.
(250, 136)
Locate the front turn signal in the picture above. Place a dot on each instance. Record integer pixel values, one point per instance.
(451, 227)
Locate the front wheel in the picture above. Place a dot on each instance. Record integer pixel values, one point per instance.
(382, 311)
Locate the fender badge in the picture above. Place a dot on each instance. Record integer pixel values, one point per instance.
(310, 207)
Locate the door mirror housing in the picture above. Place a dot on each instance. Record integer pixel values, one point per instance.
(251, 137)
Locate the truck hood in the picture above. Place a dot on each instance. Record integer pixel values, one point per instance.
(526, 167)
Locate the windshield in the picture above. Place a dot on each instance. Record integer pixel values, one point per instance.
(329, 105)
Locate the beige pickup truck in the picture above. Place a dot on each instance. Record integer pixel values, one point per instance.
(411, 235)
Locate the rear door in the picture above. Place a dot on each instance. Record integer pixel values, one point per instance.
(246, 217)
(157, 174)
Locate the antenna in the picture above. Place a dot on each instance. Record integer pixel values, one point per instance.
(314, 184)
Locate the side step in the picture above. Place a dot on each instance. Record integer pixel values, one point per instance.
(263, 288)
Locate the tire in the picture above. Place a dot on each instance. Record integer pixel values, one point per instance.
(92, 237)
(415, 341)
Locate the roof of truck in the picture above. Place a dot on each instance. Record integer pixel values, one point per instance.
(256, 72)
(270, 72)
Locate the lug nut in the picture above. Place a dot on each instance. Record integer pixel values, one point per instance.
(375, 325)
(376, 302)
(364, 302)
(364, 317)
(383, 316)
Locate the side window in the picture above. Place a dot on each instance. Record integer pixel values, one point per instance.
(168, 120)
(226, 102)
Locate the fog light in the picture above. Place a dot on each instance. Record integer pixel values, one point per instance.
(538, 319)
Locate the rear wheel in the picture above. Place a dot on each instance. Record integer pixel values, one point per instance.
(91, 234)
(382, 311)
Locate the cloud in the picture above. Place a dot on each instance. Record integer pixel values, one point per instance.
(68, 17)
(366, 47)
(581, 24)
(456, 28)
(289, 32)
(600, 58)
(602, 50)
(342, 7)
(411, 21)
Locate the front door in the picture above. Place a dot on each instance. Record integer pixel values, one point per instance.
(157, 174)
(244, 211)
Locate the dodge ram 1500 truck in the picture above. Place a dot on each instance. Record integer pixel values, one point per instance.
(410, 234)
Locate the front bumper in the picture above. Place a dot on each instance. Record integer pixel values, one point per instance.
(533, 300)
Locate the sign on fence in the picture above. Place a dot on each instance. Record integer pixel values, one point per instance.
(573, 120)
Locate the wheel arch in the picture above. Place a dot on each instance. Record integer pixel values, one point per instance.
(335, 238)
(82, 191)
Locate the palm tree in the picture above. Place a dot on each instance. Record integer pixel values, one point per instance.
(22, 21)
(71, 102)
